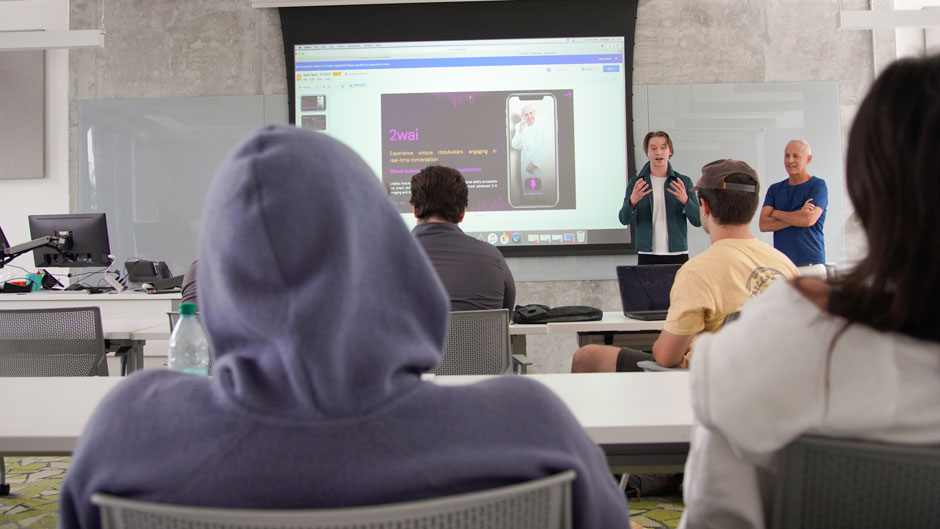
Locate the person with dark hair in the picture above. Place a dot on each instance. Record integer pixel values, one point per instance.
(855, 356)
(474, 272)
(661, 200)
(795, 209)
(321, 334)
(711, 285)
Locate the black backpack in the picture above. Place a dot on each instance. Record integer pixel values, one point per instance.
(536, 313)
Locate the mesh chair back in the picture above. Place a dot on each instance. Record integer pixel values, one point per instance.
(175, 317)
(539, 504)
(835, 483)
(477, 344)
(52, 343)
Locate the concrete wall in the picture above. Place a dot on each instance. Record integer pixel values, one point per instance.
(162, 48)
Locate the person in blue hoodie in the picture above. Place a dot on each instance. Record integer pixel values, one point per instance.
(661, 200)
(323, 312)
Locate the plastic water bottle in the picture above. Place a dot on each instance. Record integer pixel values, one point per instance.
(189, 348)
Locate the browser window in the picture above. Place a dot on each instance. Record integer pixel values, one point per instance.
(536, 126)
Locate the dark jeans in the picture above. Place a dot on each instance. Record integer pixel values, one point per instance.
(652, 259)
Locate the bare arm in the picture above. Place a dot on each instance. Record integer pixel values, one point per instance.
(670, 348)
(768, 223)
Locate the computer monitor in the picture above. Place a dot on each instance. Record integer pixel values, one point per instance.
(78, 240)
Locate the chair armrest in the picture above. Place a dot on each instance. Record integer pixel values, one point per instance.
(650, 365)
(520, 364)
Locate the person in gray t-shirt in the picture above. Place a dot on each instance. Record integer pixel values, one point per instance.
(188, 288)
(474, 272)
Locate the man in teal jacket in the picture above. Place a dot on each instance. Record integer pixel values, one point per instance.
(661, 200)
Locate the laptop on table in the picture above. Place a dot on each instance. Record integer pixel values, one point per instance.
(644, 290)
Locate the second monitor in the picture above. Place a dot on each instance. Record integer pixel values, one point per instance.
(77, 240)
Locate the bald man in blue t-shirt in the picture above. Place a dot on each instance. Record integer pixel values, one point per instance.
(795, 209)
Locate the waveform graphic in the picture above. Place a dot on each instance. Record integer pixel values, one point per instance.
(458, 98)
(498, 203)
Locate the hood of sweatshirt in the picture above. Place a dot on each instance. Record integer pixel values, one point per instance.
(316, 298)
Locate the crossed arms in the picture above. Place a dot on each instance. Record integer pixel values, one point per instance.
(775, 220)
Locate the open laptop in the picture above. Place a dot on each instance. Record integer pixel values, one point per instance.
(644, 290)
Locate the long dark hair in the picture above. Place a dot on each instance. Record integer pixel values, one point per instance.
(893, 179)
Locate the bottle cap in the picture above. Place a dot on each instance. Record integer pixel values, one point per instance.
(187, 308)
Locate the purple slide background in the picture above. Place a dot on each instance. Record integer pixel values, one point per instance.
(466, 121)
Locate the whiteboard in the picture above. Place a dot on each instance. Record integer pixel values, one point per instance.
(752, 122)
(148, 163)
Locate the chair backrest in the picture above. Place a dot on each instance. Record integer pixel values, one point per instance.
(538, 504)
(731, 318)
(477, 344)
(174, 316)
(52, 343)
(833, 483)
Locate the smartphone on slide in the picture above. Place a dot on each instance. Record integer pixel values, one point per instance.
(532, 150)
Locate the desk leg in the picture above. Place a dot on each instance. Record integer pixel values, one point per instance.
(131, 353)
(517, 342)
(520, 362)
(4, 486)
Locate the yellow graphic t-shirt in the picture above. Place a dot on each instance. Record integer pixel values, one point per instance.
(719, 281)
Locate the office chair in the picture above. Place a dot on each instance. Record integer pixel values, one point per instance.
(477, 343)
(846, 483)
(174, 317)
(50, 343)
(543, 503)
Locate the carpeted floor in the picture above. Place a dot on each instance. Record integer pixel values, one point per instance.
(35, 482)
(34, 494)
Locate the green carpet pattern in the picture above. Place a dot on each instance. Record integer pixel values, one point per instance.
(35, 483)
(656, 511)
(34, 491)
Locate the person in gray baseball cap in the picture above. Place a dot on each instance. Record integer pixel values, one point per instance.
(713, 284)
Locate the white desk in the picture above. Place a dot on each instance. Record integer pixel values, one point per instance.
(611, 322)
(644, 332)
(52, 412)
(119, 305)
(141, 306)
(124, 328)
(129, 336)
(518, 334)
(638, 418)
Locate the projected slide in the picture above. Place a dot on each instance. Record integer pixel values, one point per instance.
(538, 127)
(507, 162)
